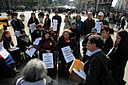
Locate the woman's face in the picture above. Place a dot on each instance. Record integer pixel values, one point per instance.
(46, 16)
(66, 35)
(46, 35)
(78, 18)
(33, 16)
(118, 39)
(104, 34)
(8, 35)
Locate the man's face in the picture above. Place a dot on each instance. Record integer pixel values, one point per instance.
(90, 46)
(73, 26)
(56, 13)
(15, 16)
(90, 16)
(94, 33)
(101, 17)
(23, 34)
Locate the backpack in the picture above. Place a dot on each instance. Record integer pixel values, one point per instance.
(108, 77)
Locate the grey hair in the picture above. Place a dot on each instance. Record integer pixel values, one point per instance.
(34, 70)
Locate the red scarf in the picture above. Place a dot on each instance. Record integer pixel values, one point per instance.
(66, 40)
(0, 56)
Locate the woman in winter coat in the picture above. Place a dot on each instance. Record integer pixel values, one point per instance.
(79, 23)
(106, 32)
(47, 45)
(47, 22)
(63, 41)
(119, 57)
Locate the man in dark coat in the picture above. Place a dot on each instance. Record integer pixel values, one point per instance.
(75, 33)
(58, 18)
(89, 23)
(16, 23)
(94, 67)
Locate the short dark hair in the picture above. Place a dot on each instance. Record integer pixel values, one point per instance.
(47, 15)
(98, 40)
(56, 11)
(15, 14)
(22, 31)
(73, 23)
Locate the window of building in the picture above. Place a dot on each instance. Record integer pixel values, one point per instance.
(100, 1)
(105, 0)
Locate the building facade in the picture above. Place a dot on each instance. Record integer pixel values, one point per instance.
(96, 4)
(121, 5)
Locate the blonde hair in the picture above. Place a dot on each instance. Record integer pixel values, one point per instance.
(66, 30)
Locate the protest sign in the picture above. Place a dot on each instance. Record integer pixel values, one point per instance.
(48, 60)
(31, 51)
(3, 53)
(68, 56)
(98, 26)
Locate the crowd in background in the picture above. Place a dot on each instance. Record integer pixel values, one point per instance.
(97, 39)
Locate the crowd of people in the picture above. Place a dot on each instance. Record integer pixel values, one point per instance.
(101, 54)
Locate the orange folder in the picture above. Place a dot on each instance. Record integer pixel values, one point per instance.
(77, 64)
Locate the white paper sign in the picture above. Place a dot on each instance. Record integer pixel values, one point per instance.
(36, 42)
(88, 53)
(54, 27)
(14, 48)
(31, 51)
(98, 26)
(17, 33)
(68, 56)
(32, 27)
(110, 51)
(3, 52)
(48, 60)
(55, 22)
(80, 73)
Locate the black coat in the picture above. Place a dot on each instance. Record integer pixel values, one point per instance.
(47, 23)
(36, 34)
(88, 25)
(61, 43)
(95, 70)
(17, 24)
(108, 45)
(31, 21)
(23, 42)
(59, 20)
(118, 62)
(123, 22)
(7, 42)
(75, 34)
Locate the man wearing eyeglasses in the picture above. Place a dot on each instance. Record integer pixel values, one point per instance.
(94, 66)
